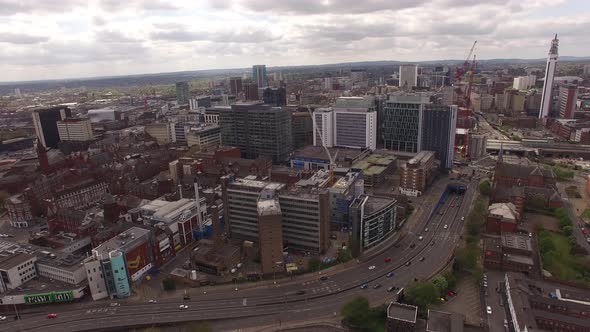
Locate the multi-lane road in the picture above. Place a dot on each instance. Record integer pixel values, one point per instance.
(285, 302)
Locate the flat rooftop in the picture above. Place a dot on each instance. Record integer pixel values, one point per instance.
(268, 207)
(376, 203)
(124, 241)
(421, 157)
(403, 312)
(16, 259)
(440, 321)
(41, 285)
(318, 153)
(515, 241)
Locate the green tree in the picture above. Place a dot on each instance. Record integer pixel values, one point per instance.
(314, 264)
(422, 294)
(545, 244)
(451, 280)
(560, 213)
(356, 312)
(565, 221)
(567, 230)
(169, 284)
(441, 284)
(485, 188)
(344, 255)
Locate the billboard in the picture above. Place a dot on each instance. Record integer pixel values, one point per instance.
(44, 298)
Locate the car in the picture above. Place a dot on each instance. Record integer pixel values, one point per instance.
(390, 289)
(372, 267)
(530, 234)
(420, 238)
(485, 277)
(387, 260)
(183, 306)
(2, 317)
(584, 231)
(115, 304)
(489, 310)
(485, 284)
(324, 278)
(186, 297)
(408, 263)
(153, 301)
(422, 258)
(412, 246)
(426, 229)
(51, 315)
(376, 286)
(390, 274)
(446, 226)
(588, 239)
(462, 218)
(451, 294)
(364, 286)
(300, 292)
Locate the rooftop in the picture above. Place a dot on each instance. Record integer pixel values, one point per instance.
(515, 241)
(376, 203)
(13, 260)
(403, 312)
(269, 207)
(440, 321)
(319, 153)
(506, 211)
(124, 242)
(421, 157)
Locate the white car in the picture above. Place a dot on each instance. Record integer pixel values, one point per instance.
(462, 218)
(372, 267)
(420, 238)
(183, 306)
(115, 304)
(153, 301)
(489, 310)
(2, 318)
(485, 283)
(446, 226)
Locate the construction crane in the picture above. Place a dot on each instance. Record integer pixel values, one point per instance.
(459, 72)
(470, 74)
(332, 158)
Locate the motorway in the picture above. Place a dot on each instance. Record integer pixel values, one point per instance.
(280, 303)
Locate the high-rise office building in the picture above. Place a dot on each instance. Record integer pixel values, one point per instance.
(235, 85)
(182, 93)
(355, 122)
(477, 146)
(408, 76)
(401, 129)
(75, 130)
(257, 130)
(438, 132)
(259, 76)
(251, 91)
(323, 127)
(586, 70)
(548, 83)
(275, 96)
(45, 123)
(568, 95)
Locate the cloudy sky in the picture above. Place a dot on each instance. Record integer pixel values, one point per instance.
(48, 39)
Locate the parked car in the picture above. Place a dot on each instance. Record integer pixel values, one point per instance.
(420, 238)
(446, 226)
(412, 246)
(183, 306)
(153, 301)
(489, 310)
(462, 218)
(115, 304)
(2, 318)
(300, 292)
(408, 263)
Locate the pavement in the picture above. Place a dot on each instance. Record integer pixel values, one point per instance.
(269, 303)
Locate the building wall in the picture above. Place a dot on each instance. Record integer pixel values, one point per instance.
(19, 274)
(408, 75)
(301, 219)
(19, 211)
(270, 243)
(74, 277)
(355, 129)
(45, 123)
(401, 127)
(96, 280)
(568, 95)
(438, 132)
(323, 128)
(75, 130)
(160, 131)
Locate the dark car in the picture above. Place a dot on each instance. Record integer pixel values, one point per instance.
(324, 278)
(186, 297)
(300, 292)
(397, 245)
(412, 246)
(364, 286)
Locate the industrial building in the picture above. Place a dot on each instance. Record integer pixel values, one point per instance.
(257, 130)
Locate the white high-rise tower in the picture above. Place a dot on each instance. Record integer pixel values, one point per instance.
(548, 84)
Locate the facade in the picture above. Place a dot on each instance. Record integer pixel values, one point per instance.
(82, 196)
(199, 102)
(438, 132)
(251, 91)
(355, 123)
(568, 96)
(502, 218)
(16, 270)
(373, 220)
(45, 123)
(301, 129)
(304, 212)
(19, 211)
(270, 239)
(160, 131)
(235, 85)
(204, 135)
(408, 76)
(259, 76)
(477, 146)
(275, 96)
(401, 128)
(323, 127)
(182, 92)
(547, 97)
(417, 173)
(65, 268)
(257, 130)
(342, 194)
(76, 130)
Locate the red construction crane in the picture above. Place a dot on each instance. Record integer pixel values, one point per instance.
(470, 74)
(459, 72)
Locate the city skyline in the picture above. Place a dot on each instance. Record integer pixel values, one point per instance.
(73, 39)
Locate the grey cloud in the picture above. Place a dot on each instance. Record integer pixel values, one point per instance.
(178, 33)
(179, 36)
(97, 20)
(105, 36)
(116, 5)
(12, 7)
(22, 39)
(319, 7)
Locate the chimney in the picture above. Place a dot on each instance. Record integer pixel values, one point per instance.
(217, 240)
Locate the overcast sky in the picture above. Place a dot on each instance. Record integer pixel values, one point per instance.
(48, 39)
